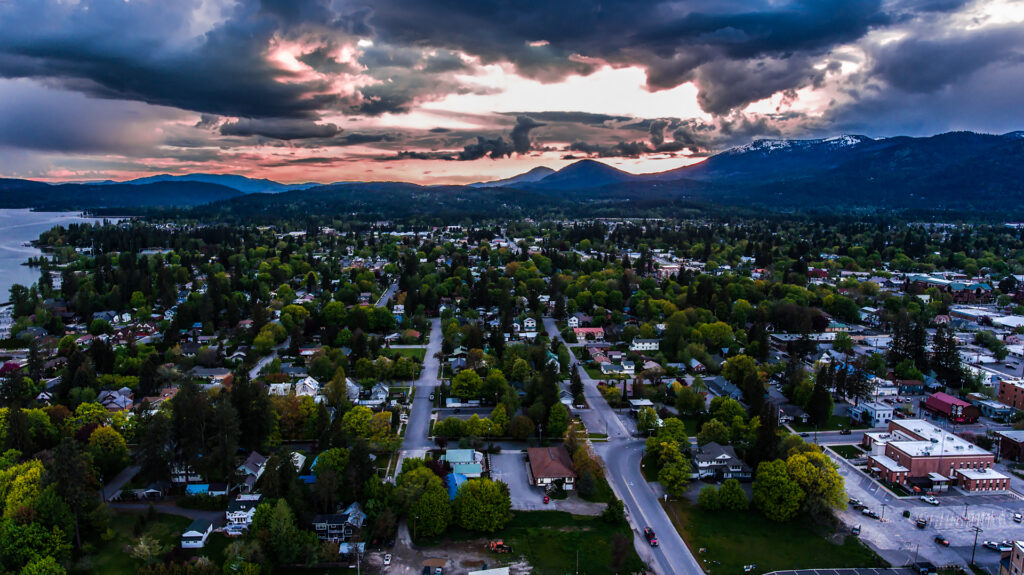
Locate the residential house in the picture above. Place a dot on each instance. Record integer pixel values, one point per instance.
(340, 526)
(307, 386)
(378, 396)
(529, 323)
(118, 400)
(241, 511)
(252, 469)
(548, 465)
(639, 345)
(589, 333)
(467, 462)
(195, 536)
(715, 461)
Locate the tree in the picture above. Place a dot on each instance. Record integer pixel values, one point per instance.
(467, 384)
(776, 494)
(71, 473)
(558, 420)
(147, 549)
(708, 498)
(521, 427)
(819, 408)
(43, 566)
(108, 450)
(482, 505)
(356, 421)
(819, 479)
(731, 496)
(281, 539)
(499, 420)
(646, 421)
(843, 343)
(946, 357)
(726, 409)
(675, 477)
(431, 512)
(713, 431)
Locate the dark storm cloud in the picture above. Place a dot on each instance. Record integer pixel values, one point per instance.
(928, 64)
(657, 131)
(620, 149)
(281, 129)
(520, 134)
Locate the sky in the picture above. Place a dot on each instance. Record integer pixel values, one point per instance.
(449, 91)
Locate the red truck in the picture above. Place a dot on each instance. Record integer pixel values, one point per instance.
(952, 408)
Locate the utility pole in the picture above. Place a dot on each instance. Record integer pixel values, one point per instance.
(965, 510)
(976, 530)
(882, 518)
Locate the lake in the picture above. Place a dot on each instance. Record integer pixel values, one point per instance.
(18, 227)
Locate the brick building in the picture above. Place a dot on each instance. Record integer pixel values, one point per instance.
(917, 453)
(1011, 392)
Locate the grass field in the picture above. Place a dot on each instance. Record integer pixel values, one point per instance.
(549, 540)
(847, 451)
(835, 422)
(417, 353)
(734, 539)
(111, 557)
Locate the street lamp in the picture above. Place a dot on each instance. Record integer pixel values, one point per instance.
(882, 518)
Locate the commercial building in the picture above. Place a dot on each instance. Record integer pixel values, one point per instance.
(1011, 445)
(1012, 563)
(916, 453)
(1011, 392)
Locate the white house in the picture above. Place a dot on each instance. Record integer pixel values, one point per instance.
(307, 386)
(241, 511)
(720, 462)
(639, 344)
(530, 323)
(573, 322)
(872, 413)
(280, 389)
(196, 534)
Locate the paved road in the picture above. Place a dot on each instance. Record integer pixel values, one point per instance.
(111, 488)
(622, 454)
(387, 295)
(255, 371)
(415, 443)
(215, 517)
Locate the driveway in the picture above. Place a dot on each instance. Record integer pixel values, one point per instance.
(510, 467)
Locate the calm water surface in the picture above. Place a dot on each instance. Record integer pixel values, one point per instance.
(18, 227)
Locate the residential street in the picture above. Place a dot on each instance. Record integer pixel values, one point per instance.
(387, 295)
(415, 443)
(621, 455)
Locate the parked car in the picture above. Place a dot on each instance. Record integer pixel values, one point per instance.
(869, 512)
(546, 500)
(1017, 517)
(993, 545)
(942, 540)
(856, 529)
(845, 432)
(439, 571)
(854, 502)
(930, 500)
(387, 559)
(1006, 545)
(922, 523)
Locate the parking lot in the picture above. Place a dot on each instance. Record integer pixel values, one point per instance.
(510, 467)
(901, 542)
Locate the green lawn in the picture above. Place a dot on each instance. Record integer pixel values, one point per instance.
(848, 451)
(549, 540)
(417, 353)
(595, 372)
(734, 539)
(835, 422)
(111, 558)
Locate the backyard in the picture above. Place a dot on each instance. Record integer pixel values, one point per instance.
(724, 542)
(417, 353)
(111, 558)
(848, 451)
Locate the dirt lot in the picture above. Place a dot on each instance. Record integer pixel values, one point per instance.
(460, 558)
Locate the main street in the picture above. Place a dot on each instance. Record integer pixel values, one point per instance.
(621, 454)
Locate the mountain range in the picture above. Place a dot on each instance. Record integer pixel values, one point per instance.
(952, 171)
